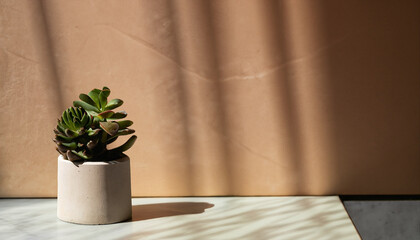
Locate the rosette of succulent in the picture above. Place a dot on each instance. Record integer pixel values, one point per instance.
(84, 130)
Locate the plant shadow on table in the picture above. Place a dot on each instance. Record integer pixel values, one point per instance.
(158, 210)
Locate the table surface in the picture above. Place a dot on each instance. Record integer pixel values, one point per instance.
(189, 218)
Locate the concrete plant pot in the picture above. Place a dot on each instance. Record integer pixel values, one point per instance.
(94, 192)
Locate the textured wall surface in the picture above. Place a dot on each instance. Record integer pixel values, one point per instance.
(227, 97)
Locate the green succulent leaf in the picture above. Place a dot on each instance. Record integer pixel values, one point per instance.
(103, 95)
(106, 91)
(61, 148)
(121, 132)
(62, 138)
(92, 132)
(85, 106)
(77, 123)
(85, 98)
(65, 120)
(114, 103)
(124, 124)
(80, 113)
(96, 121)
(104, 137)
(71, 145)
(60, 126)
(126, 131)
(72, 156)
(80, 154)
(127, 145)
(70, 119)
(94, 95)
(106, 114)
(92, 113)
(72, 111)
(70, 133)
(109, 127)
(119, 115)
(85, 120)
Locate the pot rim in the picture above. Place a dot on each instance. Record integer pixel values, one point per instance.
(122, 159)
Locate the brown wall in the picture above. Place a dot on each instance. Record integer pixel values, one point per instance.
(228, 97)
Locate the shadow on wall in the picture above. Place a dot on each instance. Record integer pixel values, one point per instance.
(49, 56)
(210, 102)
(343, 112)
(250, 98)
(294, 93)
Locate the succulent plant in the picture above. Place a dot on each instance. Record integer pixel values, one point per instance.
(85, 130)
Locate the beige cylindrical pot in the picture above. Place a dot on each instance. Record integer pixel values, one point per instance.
(94, 192)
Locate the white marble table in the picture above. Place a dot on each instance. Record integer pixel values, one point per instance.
(258, 218)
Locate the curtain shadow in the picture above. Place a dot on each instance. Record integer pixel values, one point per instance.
(212, 100)
(159, 210)
(207, 12)
(45, 31)
(284, 88)
(181, 102)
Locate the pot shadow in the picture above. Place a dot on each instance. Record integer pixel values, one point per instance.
(158, 210)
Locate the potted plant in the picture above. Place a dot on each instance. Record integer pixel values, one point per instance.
(93, 182)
